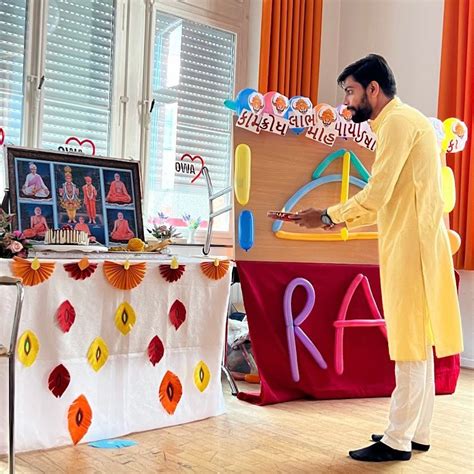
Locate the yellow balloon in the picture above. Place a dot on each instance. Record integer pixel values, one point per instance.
(448, 189)
(454, 241)
(243, 161)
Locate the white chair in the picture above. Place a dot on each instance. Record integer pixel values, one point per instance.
(10, 353)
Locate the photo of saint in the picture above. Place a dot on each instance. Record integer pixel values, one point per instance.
(90, 198)
(81, 225)
(118, 193)
(38, 225)
(34, 186)
(69, 196)
(121, 230)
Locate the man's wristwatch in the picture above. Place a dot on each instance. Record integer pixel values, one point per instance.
(325, 219)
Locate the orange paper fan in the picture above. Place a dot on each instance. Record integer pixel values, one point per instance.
(80, 270)
(215, 270)
(170, 392)
(79, 418)
(172, 272)
(32, 272)
(124, 276)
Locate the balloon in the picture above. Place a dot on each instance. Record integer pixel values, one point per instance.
(293, 326)
(448, 188)
(346, 169)
(455, 135)
(301, 106)
(246, 230)
(330, 178)
(342, 322)
(243, 157)
(439, 129)
(326, 236)
(247, 99)
(363, 173)
(276, 104)
(454, 241)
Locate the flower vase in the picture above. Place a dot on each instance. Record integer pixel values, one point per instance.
(191, 233)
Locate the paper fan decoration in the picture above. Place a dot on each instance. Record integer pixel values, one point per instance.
(32, 273)
(65, 316)
(80, 270)
(172, 272)
(202, 376)
(58, 380)
(177, 314)
(79, 418)
(124, 276)
(97, 354)
(125, 318)
(170, 392)
(28, 348)
(155, 350)
(215, 270)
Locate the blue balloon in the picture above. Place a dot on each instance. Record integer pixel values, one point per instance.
(241, 102)
(246, 230)
(296, 130)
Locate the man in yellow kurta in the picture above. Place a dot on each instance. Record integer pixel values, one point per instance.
(403, 197)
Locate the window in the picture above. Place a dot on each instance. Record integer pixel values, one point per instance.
(78, 72)
(12, 45)
(192, 75)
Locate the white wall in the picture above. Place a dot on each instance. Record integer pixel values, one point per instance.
(406, 32)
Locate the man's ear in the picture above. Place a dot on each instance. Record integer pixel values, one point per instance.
(373, 89)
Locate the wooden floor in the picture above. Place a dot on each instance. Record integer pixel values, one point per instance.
(302, 436)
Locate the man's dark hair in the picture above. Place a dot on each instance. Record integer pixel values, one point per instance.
(371, 68)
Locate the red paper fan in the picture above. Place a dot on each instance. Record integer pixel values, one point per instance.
(65, 316)
(79, 418)
(59, 380)
(155, 350)
(177, 314)
(80, 270)
(172, 272)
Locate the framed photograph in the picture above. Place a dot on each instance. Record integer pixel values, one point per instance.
(50, 189)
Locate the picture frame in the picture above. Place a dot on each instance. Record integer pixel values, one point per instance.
(53, 189)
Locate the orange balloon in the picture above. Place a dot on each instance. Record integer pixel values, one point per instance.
(454, 241)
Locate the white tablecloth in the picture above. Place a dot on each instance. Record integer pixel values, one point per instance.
(124, 393)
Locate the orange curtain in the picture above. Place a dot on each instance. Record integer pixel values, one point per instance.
(290, 47)
(456, 94)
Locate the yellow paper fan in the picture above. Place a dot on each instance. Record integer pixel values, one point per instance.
(98, 353)
(125, 318)
(124, 276)
(28, 348)
(215, 270)
(32, 272)
(202, 376)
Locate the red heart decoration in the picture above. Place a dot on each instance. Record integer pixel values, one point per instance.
(75, 139)
(192, 158)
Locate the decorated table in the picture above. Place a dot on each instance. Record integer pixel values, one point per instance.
(96, 360)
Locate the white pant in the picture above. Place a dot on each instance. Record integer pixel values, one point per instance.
(411, 406)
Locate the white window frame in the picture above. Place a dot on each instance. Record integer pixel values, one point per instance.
(131, 91)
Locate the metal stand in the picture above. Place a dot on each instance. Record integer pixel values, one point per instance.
(212, 214)
(9, 281)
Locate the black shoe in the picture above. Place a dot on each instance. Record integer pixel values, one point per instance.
(414, 444)
(379, 452)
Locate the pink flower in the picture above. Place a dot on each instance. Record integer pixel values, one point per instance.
(15, 246)
(18, 234)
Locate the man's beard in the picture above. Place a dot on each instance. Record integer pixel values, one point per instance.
(363, 112)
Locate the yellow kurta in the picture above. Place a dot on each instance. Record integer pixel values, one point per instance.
(403, 197)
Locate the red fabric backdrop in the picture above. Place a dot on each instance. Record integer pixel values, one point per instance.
(368, 371)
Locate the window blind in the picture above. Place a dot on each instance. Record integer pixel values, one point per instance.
(78, 72)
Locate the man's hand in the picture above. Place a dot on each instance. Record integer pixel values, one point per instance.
(311, 218)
